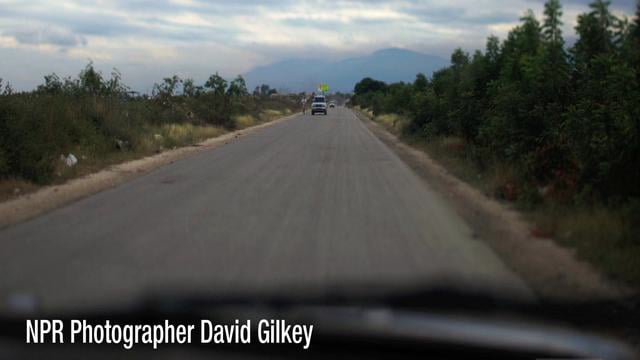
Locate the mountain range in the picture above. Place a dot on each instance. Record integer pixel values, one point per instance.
(389, 65)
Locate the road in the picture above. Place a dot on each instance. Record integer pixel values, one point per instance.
(312, 201)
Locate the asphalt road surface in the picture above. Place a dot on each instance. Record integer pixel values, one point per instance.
(313, 201)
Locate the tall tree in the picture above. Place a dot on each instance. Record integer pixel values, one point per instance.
(492, 49)
(421, 82)
(167, 88)
(595, 35)
(636, 23)
(368, 85)
(522, 43)
(605, 20)
(513, 128)
(265, 90)
(602, 119)
(530, 33)
(189, 89)
(551, 28)
(237, 87)
(91, 81)
(634, 41)
(216, 84)
(555, 72)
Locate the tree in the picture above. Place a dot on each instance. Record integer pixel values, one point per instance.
(91, 81)
(604, 128)
(367, 85)
(469, 111)
(8, 89)
(421, 82)
(512, 127)
(459, 59)
(633, 41)
(115, 86)
(555, 75)
(216, 84)
(167, 88)
(237, 87)
(398, 99)
(529, 34)
(52, 84)
(265, 90)
(568, 121)
(492, 56)
(595, 34)
(189, 89)
(636, 25)
(522, 44)
(605, 20)
(551, 28)
(602, 121)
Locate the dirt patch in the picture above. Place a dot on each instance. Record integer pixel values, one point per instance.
(13, 188)
(552, 271)
(51, 197)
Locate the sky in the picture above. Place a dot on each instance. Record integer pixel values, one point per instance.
(147, 40)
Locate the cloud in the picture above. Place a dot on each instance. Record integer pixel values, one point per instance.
(622, 5)
(198, 37)
(48, 36)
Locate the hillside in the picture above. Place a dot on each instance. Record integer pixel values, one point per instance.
(389, 65)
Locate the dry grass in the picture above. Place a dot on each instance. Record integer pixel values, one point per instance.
(392, 122)
(604, 236)
(174, 135)
(365, 111)
(11, 188)
(169, 136)
(245, 121)
(446, 151)
(272, 114)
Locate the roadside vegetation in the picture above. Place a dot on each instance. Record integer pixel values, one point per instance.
(101, 122)
(551, 128)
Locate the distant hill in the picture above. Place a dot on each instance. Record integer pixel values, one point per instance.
(389, 65)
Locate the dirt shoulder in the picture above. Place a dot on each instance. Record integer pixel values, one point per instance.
(550, 270)
(51, 197)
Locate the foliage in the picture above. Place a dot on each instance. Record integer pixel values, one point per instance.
(566, 122)
(96, 116)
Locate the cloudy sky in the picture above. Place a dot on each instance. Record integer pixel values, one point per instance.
(149, 39)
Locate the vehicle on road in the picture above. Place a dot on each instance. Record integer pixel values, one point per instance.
(332, 105)
(319, 105)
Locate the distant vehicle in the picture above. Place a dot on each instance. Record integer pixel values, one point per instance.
(319, 105)
(332, 105)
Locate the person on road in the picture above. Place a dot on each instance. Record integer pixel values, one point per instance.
(304, 105)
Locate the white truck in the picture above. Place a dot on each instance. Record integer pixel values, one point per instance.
(319, 105)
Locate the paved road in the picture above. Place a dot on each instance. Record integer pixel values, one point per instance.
(313, 201)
